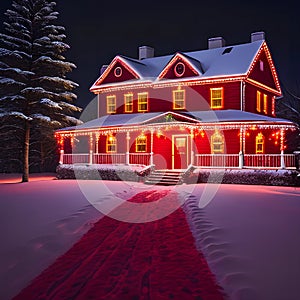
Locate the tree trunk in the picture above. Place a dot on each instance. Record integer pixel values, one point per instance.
(25, 177)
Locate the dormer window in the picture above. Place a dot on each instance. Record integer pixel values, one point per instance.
(216, 97)
(118, 71)
(179, 69)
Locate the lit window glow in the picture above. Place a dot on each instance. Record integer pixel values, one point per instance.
(141, 143)
(111, 144)
(265, 104)
(260, 144)
(216, 97)
(217, 142)
(128, 99)
(258, 101)
(179, 99)
(142, 102)
(111, 104)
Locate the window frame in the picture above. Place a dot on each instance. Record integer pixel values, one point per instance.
(111, 144)
(111, 105)
(260, 141)
(258, 101)
(220, 98)
(265, 103)
(140, 103)
(217, 134)
(126, 104)
(141, 141)
(175, 101)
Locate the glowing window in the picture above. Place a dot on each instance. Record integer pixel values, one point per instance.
(260, 143)
(111, 104)
(216, 97)
(258, 101)
(142, 102)
(118, 71)
(273, 106)
(111, 144)
(261, 65)
(179, 99)
(217, 142)
(128, 98)
(141, 143)
(265, 103)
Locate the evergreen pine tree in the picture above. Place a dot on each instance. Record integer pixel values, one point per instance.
(35, 96)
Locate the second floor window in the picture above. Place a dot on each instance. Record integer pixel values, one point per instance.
(141, 143)
(216, 98)
(111, 144)
(217, 142)
(260, 143)
(111, 104)
(142, 102)
(128, 98)
(258, 101)
(265, 104)
(179, 99)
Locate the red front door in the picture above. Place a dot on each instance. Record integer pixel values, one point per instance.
(180, 151)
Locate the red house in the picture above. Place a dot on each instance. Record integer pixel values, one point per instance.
(208, 108)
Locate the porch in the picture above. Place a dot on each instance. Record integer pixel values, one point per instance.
(266, 161)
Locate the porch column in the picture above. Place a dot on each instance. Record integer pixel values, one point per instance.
(192, 148)
(61, 156)
(97, 142)
(282, 164)
(151, 148)
(91, 143)
(127, 148)
(242, 148)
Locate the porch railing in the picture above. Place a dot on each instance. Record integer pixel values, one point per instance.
(139, 158)
(109, 158)
(76, 158)
(269, 160)
(217, 160)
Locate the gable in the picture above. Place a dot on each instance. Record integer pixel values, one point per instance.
(262, 70)
(117, 71)
(180, 66)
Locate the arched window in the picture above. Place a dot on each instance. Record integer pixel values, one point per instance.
(217, 142)
(111, 144)
(141, 143)
(260, 143)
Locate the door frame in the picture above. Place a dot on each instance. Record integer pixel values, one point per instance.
(174, 136)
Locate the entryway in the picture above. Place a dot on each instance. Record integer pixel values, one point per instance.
(180, 150)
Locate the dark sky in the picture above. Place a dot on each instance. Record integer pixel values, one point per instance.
(99, 30)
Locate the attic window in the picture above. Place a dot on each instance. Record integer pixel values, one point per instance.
(227, 50)
(179, 69)
(118, 71)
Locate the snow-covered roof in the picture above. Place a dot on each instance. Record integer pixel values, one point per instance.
(234, 60)
(212, 116)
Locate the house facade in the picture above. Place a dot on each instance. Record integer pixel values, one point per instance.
(208, 108)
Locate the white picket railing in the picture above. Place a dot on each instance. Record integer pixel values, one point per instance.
(76, 158)
(139, 158)
(268, 160)
(109, 158)
(217, 160)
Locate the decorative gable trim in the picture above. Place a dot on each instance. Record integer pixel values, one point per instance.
(265, 48)
(172, 62)
(124, 63)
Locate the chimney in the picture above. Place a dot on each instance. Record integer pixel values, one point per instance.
(103, 68)
(257, 36)
(146, 52)
(216, 42)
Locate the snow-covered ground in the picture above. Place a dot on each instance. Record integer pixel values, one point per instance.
(249, 234)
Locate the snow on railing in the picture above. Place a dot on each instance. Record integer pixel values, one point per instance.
(76, 158)
(109, 158)
(268, 160)
(139, 158)
(217, 160)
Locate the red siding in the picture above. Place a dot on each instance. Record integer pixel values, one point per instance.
(263, 76)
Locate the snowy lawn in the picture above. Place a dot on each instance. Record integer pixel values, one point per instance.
(249, 234)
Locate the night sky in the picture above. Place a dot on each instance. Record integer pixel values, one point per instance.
(97, 31)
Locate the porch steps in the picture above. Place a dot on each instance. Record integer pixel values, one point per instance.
(165, 177)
